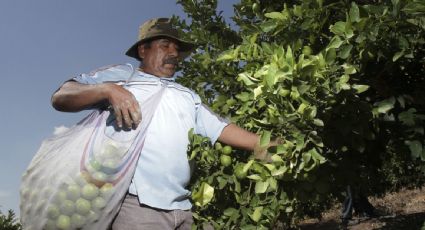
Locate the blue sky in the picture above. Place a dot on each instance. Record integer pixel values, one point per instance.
(42, 44)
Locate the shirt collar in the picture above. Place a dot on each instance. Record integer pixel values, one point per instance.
(151, 77)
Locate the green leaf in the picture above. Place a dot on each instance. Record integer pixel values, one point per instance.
(415, 148)
(338, 28)
(301, 108)
(258, 91)
(204, 195)
(265, 138)
(280, 171)
(256, 215)
(245, 78)
(268, 26)
(230, 211)
(330, 55)
(415, 8)
(344, 53)
(254, 177)
(275, 15)
(277, 158)
(306, 157)
(289, 209)
(335, 43)
(398, 55)
(354, 12)
(247, 166)
(244, 96)
(349, 69)
(318, 122)
(344, 79)
(385, 105)
(261, 186)
(360, 88)
(316, 156)
(228, 55)
(300, 142)
(270, 79)
(407, 117)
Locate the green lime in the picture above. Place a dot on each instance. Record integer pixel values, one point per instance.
(217, 146)
(82, 206)
(78, 220)
(63, 222)
(239, 172)
(307, 50)
(89, 191)
(67, 207)
(226, 150)
(225, 160)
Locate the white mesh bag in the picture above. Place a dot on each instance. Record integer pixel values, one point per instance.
(78, 179)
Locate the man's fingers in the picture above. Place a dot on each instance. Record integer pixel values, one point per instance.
(126, 118)
(118, 116)
(135, 114)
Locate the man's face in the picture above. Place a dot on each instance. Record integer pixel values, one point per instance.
(161, 58)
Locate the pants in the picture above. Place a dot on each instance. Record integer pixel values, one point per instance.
(134, 216)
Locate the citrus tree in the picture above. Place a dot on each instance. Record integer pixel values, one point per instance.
(340, 81)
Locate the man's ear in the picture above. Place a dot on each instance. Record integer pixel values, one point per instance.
(141, 50)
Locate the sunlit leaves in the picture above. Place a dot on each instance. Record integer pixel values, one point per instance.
(204, 194)
(325, 77)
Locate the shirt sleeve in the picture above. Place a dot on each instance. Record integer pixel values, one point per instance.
(111, 73)
(208, 123)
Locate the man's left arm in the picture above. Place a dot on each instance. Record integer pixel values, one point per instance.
(238, 137)
(211, 125)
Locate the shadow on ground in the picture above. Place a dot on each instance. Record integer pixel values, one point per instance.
(407, 221)
(411, 221)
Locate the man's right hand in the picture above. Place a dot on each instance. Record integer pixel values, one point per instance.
(125, 106)
(73, 96)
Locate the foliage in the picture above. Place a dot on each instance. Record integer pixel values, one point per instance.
(340, 81)
(9, 221)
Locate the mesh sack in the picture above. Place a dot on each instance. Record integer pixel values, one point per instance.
(78, 179)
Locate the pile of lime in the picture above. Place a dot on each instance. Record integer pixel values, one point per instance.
(77, 203)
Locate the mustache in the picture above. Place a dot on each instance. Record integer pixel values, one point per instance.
(171, 60)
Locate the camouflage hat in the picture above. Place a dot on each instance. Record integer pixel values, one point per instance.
(159, 27)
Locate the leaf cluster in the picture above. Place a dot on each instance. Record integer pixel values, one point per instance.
(340, 81)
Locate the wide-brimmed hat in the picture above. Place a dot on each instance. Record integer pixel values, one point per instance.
(159, 27)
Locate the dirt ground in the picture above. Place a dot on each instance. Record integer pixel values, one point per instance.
(404, 210)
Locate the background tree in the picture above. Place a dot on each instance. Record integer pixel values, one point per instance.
(9, 221)
(341, 81)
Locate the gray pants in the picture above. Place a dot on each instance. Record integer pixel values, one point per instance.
(134, 216)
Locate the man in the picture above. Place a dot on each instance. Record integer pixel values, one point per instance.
(157, 197)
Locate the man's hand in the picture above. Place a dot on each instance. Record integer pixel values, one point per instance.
(260, 152)
(73, 96)
(125, 106)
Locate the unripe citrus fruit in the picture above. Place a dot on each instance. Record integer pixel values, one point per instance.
(217, 146)
(307, 50)
(89, 191)
(63, 222)
(239, 172)
(225, 160)
(98, 203)
(77, 220)
(67, 207)
(82, 206)
(53, 211)
(226, 150)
